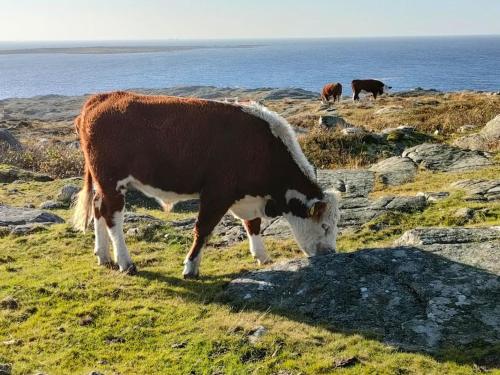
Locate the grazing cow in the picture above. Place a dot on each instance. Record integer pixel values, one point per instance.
(241, 158)
(368, 85)
(331, 90)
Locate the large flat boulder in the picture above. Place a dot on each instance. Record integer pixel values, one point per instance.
(426, 297)
(11, 216)
(351, 183)
(441, 157)
(395, 171)
(479, 189)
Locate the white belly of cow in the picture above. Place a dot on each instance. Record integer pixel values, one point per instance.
(249, 208)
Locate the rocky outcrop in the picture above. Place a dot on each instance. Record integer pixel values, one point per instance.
(424, 297)
(9, 141)
(487, 139)
(10, 174)
(351, 183)
(479, 190)
(333, 121)
(26, 220)
(441, 157)
(395, 171)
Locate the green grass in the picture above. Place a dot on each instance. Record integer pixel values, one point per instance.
(74, 316)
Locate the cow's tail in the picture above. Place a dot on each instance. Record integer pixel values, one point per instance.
(83, 205)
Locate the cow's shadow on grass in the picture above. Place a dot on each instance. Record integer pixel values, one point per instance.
(409, 298)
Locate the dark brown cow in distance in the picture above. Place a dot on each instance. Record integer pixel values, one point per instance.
(241, 158)
(368, 85)
(331, 90)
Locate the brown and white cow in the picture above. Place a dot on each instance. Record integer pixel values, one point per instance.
(331, 90)
(368, 85)
(241, 158)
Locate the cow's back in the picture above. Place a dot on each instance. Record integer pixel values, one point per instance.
(178, 144)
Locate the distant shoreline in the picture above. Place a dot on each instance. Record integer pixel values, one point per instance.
(108, 50)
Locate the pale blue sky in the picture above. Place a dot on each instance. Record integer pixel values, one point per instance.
(207, 19)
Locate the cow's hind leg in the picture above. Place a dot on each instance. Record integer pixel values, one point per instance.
(101, 248)
(112, 208)
(257, 247)
(212, 209)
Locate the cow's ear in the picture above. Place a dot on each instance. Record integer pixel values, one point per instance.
(272, 209)
(317, 210)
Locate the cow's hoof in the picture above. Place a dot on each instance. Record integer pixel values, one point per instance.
(130, 270)
(190, 276)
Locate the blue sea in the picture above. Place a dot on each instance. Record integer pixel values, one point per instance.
(442, 63)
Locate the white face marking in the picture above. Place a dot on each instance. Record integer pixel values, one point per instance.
(281, 129)
(121, 255)
(101, 248)
(166, 198)
(249, 208)
(386, 89)
(314, 236)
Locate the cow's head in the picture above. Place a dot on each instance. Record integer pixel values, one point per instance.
(313, 222)
(385, 89)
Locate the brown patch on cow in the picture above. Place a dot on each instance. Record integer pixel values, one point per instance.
(253, 226)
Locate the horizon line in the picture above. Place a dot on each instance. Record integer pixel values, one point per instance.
(253, 38)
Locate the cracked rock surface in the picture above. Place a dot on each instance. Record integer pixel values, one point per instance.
(418, 297)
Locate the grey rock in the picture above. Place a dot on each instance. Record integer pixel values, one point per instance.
(395, 171)
(333, 121)
(351, 183)
(278, 228)
(229, 231)
(358, 211)
(25, 229)
(10, 174)
(67, 193)
(464, 213)
(429, 236)
(12, 216)
(9, 141)
(5, 369)
(353, 130)
(256, 334)
(441, 157)
(407, 204)
(479, 190)
(416, 298)
(487, 139)
(434, 196)
(192, 205)
(52, 205)
(134, 218)
(185, 224)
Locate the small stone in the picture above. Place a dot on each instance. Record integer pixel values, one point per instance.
(179, 345)
(52, 205)
(86, 320)
(464, 213)
(67, 193)
(256, 334)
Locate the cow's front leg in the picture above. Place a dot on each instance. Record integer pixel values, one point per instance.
(257, 247)
(211, 212)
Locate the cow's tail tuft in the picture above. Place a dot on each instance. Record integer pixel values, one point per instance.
(83, 205)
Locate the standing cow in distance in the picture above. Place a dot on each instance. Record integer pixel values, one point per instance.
(241, 158)
(331, 90)
(368, 85)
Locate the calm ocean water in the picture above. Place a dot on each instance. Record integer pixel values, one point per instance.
(448, 64)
